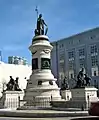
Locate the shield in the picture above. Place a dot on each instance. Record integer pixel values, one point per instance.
(46, 30)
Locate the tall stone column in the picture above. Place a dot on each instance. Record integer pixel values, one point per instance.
(42, 84)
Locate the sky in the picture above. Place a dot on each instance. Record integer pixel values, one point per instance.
(63, 17)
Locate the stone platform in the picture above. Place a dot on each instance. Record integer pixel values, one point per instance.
(81, 98)
(10, 99)
(41, 113)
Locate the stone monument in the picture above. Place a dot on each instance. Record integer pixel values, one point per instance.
(83, 93)
(65, 90)
(11, 96)
(42, 85)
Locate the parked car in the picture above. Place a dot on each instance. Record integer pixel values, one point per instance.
(94, 109)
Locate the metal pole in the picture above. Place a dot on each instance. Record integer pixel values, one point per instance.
(36, 9)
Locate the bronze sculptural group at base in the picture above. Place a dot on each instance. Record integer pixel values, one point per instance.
(65, 85)
(13, 85)
(82, 79)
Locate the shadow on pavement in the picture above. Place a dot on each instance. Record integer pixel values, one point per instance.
(89, 118)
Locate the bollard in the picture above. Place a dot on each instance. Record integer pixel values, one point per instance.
(82, 107)
(18, 101)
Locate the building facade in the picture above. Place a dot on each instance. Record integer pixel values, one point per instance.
(17, 60)
(70, 54)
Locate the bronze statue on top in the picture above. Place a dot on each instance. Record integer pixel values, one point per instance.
(40, 25)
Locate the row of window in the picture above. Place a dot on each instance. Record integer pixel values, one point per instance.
(82, 62)
(93, 49)
(71, 54)
(71, 42)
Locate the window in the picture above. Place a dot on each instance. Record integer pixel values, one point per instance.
(61, 54)
(82, 62)
(71, 64)
(94, 60)
(39, 82)
(71, 54)
(61, 66)
(67, 97)
(92, 37)
(61, 75)
(93, 49)
(96, 83)
(71, 75)
(94, 73)
(81, 52)
(61, 46)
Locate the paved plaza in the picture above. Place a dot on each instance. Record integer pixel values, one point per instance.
(12, 118)
(57, 118)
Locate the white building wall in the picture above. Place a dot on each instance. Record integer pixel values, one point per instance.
(21, 71)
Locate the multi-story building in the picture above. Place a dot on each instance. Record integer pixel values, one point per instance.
(17, 60)
(70, 54)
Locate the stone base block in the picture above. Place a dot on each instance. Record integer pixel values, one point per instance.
(66, 94)
(10, 99)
